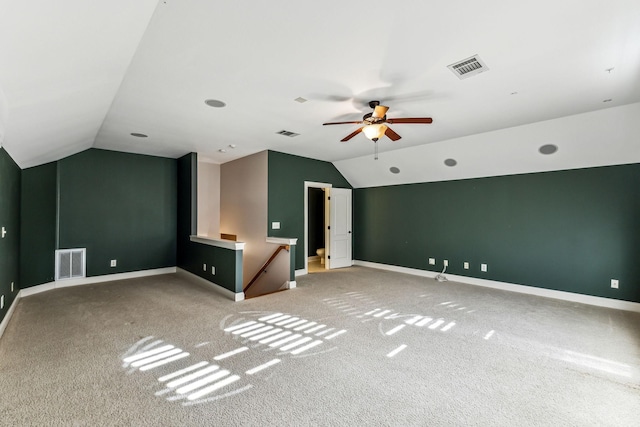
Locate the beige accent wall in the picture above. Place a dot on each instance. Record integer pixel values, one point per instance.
(243, 208)
(209, 199)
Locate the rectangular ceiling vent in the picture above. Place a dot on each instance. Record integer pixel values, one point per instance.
(468, 67)
(287, 133)
(70, 263)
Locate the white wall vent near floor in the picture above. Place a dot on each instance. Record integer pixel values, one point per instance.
(468, 67)
(70, 263)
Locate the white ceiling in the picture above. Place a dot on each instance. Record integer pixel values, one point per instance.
(78, 74)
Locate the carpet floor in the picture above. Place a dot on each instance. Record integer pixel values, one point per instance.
(354, 346)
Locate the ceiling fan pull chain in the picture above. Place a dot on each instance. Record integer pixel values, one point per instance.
(375, 144)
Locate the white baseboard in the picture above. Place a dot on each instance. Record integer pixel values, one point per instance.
(301, 272)
(94, 279)
(542, 292)
(7, 317)
(291, 284)
(239, 296)
(313, 258)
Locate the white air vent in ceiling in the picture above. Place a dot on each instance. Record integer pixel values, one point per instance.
(468, 67)
(70, 263)
(287, 133)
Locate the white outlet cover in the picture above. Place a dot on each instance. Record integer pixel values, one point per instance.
(2, 301)
(113, 263)
(466, 265)
(446, 263)
(275, 225)
(204, 267)
(432, 261)
(213, 270)
(11, 286)
(615, 283)
(483, 267)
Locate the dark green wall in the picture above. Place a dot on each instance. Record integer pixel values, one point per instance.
(119, 206)
(568, 230)
(10, 220)
(187, 221)
(192, 255)
(287, 174)
(38, 224)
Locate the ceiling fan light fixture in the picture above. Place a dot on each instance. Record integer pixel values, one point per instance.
(375, 131)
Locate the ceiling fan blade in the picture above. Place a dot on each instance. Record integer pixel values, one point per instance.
(379, 111)
(351, 135)
(411, 120)
(392, 135)
(343, 123)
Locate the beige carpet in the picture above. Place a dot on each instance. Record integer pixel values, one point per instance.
(348, 347)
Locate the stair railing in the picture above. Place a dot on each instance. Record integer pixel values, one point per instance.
(263, 269)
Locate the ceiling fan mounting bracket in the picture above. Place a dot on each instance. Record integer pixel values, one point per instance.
(374, 104)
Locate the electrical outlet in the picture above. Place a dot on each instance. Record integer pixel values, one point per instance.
(275, 226)
(4, 232)
(614, 283)
(113, 263)
(204, 267)
(483, 267)
(11, 286)
(466, 265)
(213, 270)
(2, 301)
(432, 261)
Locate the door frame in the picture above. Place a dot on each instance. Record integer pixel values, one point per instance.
(307, 185)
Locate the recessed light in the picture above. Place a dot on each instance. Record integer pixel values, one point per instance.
(394, 169)
(450, 162)
(548, 149)
(139, 135)
(215, 103)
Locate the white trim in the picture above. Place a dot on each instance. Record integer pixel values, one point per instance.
(301, 272)
(542, 292)
(291, 284)
(307, 185)
(239, 296)
(94, 279)
(7, 317)
(227, 244)
(282, 241)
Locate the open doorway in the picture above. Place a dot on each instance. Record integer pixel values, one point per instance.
(333, 213)
(316, 226)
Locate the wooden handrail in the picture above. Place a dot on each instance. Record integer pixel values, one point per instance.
(263, 269)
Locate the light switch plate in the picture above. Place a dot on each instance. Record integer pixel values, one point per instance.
(113, 263)
(483, 267)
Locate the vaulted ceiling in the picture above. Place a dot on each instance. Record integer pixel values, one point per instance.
(76, 74)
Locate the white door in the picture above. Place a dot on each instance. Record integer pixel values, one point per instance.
(340, 228)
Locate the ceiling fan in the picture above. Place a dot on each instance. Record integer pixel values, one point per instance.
(374, 123)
